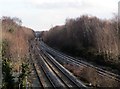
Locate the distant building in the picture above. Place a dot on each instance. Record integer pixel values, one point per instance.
(37, 33)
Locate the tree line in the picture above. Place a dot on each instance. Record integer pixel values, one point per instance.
(14, 53)
(88, 37)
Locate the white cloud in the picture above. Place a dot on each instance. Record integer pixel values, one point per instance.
(42, 14)
(49, 1)
(84, 3)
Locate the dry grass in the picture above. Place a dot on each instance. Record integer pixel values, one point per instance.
(90, 75)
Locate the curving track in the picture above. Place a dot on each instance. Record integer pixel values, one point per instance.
(71, 60)
(51, 73)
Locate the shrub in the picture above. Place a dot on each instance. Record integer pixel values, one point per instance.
(24, 73)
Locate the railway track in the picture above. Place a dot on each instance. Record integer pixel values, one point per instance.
(64, 74)
(41, 75)
(69, 59)
(51, 74)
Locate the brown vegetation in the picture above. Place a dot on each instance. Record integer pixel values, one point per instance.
(88, 37)
(18, 38)
(91, 77)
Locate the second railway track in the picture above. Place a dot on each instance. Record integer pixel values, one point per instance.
(69, 59)
(52, 74)
(64, 75)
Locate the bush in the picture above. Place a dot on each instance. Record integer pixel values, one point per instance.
(22, 77)
(8, 79)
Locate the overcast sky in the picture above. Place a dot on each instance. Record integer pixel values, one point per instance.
(43, 14)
